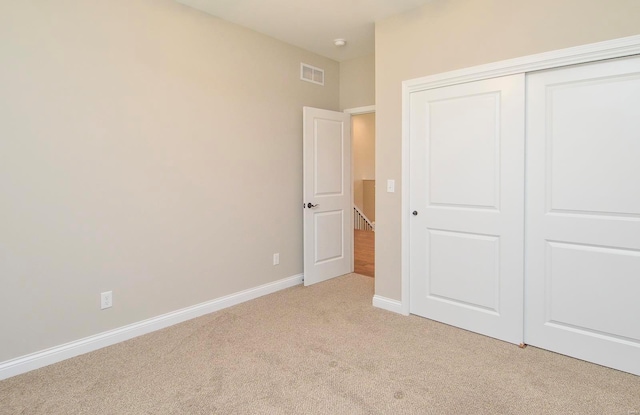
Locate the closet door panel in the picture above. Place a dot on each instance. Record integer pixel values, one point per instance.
(582, 278)
(467, 191)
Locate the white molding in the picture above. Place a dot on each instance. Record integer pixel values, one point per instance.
(610, 49)
(361, 110)
(56, 354)
(405, 218)
(388, 304)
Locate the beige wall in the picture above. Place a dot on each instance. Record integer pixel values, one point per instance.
(357, 82)
(363, 133)
(148, 149)
(446, 35)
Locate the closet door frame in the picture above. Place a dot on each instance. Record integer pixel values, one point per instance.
(616, 48)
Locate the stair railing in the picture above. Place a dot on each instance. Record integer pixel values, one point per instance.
(361, 221)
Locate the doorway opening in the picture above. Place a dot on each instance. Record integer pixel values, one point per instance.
(363, 133)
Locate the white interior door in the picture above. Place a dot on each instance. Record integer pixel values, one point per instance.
(467, 194)
(328, 227)
(583, 212)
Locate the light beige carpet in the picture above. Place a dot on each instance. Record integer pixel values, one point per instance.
(319, 350)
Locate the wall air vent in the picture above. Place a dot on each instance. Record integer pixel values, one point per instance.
(311, 74)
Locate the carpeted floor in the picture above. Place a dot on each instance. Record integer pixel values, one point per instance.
(319, 350)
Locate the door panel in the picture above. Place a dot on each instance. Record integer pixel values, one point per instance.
(583, 212)
(328, 228)
(472, 283)
(592, 133)
(467, 188)
(329, 147)
(572, 305)
(463, 181)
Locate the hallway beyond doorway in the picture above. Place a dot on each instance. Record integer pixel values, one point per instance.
(363, 252)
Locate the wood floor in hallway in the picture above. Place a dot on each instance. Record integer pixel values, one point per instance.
(364, 252)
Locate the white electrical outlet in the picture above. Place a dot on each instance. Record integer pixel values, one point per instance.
(106, 299)
(276, 259)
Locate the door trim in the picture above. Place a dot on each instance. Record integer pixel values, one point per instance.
(610, 49)
(361, 110)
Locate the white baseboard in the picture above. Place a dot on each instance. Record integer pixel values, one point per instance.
(56, 354)
(388, 304)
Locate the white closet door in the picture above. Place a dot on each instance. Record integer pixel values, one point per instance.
(583, 212)
(467, 194)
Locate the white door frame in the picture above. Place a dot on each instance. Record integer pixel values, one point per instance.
(361, 110)
(616, 48)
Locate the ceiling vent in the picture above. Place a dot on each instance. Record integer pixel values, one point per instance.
(311, 74)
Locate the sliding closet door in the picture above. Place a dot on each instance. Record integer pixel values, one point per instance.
(467, 198)
(583, 212)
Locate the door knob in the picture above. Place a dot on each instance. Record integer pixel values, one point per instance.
(415, 213)
(311, 205)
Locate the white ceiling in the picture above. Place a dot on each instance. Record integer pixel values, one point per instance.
(311, 24)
